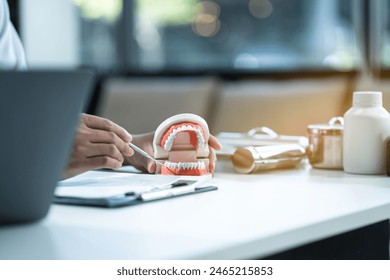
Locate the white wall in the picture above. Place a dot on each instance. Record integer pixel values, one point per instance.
(49, 31)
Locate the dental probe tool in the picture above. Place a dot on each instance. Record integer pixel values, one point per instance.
(145, 154)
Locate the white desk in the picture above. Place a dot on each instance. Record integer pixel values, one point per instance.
(250, 216)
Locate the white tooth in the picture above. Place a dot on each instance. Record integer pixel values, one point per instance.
(169, 142)
(200, 143)
(199, 135)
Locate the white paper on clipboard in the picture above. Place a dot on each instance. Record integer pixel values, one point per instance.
(100, 184)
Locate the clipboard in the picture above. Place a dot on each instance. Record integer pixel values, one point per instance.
(176, 189)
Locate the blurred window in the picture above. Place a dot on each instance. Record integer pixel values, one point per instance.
(192, 35)
(386, 38)
(243, 35)
(99, 33)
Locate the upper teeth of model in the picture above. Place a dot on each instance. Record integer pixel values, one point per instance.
(185, 165)
(169, 142)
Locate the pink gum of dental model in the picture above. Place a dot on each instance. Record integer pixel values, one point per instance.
(181, 143)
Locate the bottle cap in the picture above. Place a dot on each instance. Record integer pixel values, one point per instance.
(367, 98)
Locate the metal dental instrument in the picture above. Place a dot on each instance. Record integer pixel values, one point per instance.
(145, 154)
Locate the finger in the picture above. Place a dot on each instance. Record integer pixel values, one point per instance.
(77, 167)
(102, 149)
(214, 143)
(103, 162)
(142, 163)
(108, 137)
(212, 159)
(151, 167)
(96, 122)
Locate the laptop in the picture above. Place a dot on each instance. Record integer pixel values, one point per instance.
(39, 113)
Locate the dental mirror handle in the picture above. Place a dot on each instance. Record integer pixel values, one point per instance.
(145, 154)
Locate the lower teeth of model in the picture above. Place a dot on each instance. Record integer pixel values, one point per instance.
(185, 165)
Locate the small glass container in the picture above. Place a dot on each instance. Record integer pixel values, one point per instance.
(325, 148)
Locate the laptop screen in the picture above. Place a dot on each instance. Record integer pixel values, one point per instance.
(39, 112)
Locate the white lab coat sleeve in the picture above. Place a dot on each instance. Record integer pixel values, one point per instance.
(12, 56)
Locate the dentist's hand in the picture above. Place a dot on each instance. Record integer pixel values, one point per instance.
(99, 143)
(145, 142)
(214, 145)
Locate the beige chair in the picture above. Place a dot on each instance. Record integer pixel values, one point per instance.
(141, 104)
(286, 106)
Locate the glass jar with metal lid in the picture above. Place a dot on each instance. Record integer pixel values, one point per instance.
(325, 148)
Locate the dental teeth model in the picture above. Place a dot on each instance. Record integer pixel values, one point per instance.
(181, 143)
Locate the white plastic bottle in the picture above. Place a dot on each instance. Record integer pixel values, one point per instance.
(366, 129)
